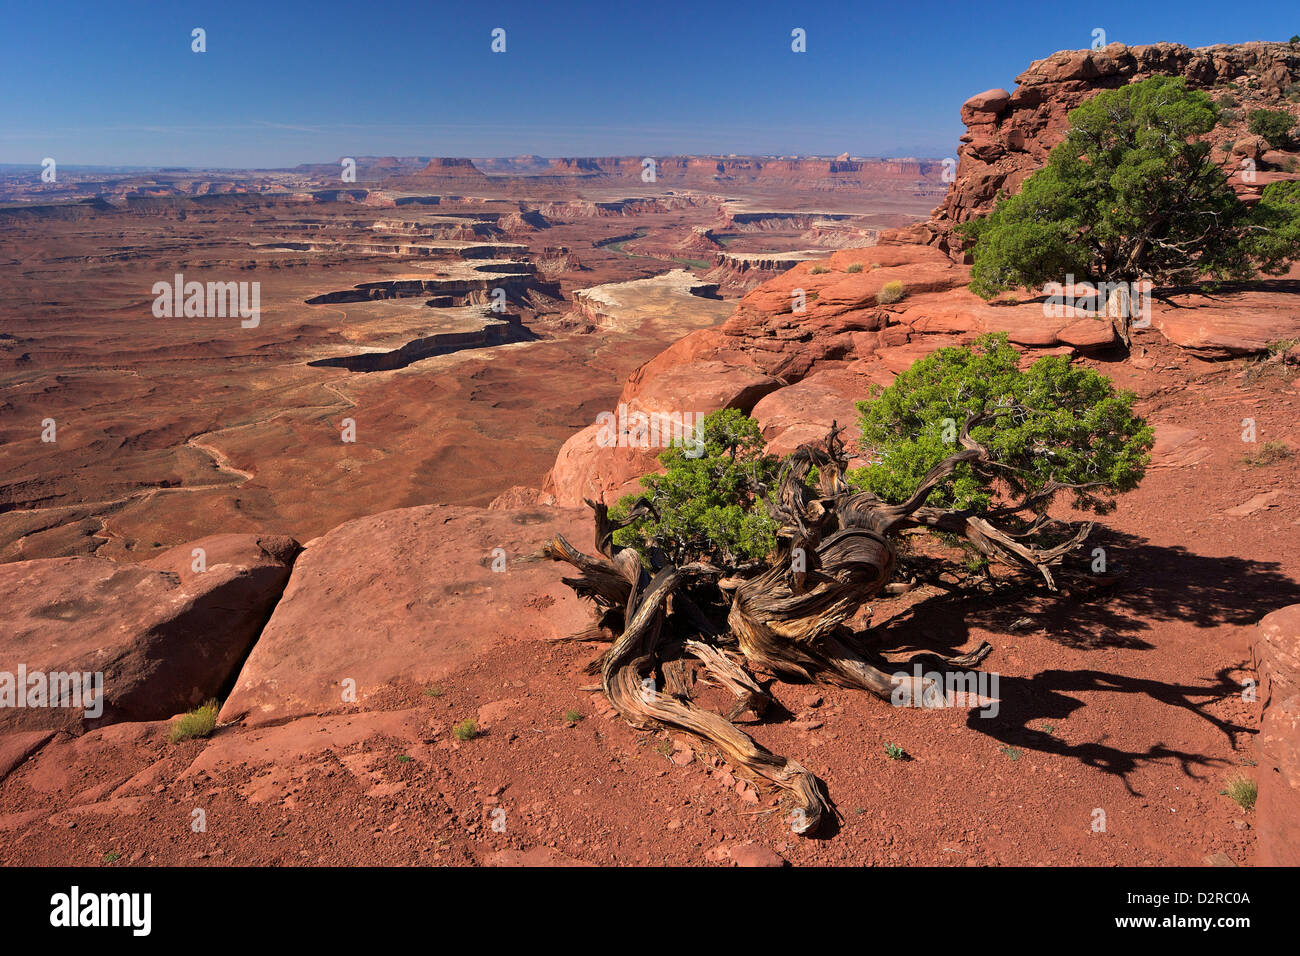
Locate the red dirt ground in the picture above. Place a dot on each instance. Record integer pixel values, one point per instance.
(1124, 697)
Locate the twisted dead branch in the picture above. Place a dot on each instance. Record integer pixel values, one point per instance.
(787, 616)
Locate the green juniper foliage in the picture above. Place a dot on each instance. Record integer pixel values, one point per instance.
(1062, 423)
(1274, 126)
(1132, 193)
(712, 506)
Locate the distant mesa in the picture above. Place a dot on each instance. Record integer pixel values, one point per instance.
(701, 239)
(576, 165)
(458, 168)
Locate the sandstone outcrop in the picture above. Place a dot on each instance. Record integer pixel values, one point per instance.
(1277, 808)
(166, 635)
(604, 460)
(1009, 134)
(404, 596)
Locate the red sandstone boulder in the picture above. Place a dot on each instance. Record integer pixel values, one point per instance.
(988, 102)
(166, 635)
(1238, 324)
(703, 343)
(701, 386)
(810, 406)
(605, 460)
(587, 468)
(1277, 809)
(405, 596)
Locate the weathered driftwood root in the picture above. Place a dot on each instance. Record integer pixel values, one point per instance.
(787, 617)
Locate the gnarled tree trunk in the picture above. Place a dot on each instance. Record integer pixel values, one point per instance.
(835, 553)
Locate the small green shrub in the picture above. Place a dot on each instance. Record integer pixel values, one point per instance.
(891, 292)
(1012, 753)
(712, 506)
(1270, 454)
(818, 270)
(1274, 126)
(466, 730)
(1243, 792)
(573, 716)
(854, 267)
(1059, 423)
(895, 752)
(199, 722)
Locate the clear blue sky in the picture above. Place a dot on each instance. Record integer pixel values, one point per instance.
(288, 82)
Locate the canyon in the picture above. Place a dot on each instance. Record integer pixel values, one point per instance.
(472, 320)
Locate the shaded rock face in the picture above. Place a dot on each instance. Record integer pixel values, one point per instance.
(166, 635)
(405, 596)
(1277, 809)
(1009, 134)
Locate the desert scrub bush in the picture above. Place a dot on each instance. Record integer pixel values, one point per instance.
(1058, 424)
(891, 292)
(466, 730)
(199, 722)
(711, 506)
(573, 716)
(1225, 101)
(1243, 791)
(854, 267)
(1274, 126)
(1271, 453)
(818, 270)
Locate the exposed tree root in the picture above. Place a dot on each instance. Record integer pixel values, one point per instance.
(785, 618)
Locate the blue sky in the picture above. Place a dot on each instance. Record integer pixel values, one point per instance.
(283, 83)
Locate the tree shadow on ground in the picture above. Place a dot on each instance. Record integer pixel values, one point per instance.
(1143, 585)
(1048, 696)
